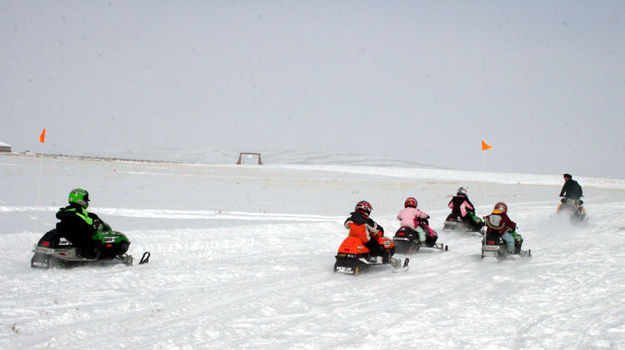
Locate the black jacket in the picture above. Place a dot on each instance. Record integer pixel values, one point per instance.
(76, 225)
(571, 189)
(456, 205)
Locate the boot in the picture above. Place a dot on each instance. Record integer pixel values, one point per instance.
(421, 234)
(517, 246)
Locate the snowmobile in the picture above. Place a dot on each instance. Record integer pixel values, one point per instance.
(574, 207)
(407, 241)
(53, 250)
(455, 223)
(494, 246)
(354, 257)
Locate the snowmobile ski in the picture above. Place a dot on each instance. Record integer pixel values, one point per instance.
(355, 266)
(399, 265)
(145, 258)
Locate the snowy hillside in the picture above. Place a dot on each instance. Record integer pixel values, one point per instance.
(242, 258)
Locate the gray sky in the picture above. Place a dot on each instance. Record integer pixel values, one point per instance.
(543, 82)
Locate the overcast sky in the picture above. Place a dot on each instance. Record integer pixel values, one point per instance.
(543, 82)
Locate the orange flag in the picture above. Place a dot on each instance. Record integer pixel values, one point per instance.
(42, 137)
(485, 146)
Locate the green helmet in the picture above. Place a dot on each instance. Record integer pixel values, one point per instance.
(80, 197)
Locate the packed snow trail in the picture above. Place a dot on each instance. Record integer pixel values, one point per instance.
(242, 258)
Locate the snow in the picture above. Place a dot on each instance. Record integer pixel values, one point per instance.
(242, 258)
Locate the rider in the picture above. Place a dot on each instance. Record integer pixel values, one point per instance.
(80, 227)
(462, 207)
(410, 217)
(571, 190)
(361, 226)
(500, 224)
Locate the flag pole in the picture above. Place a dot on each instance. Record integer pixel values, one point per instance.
(483, 162)
(42, 140)
(485, 147)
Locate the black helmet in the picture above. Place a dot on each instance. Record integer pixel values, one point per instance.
(364, 207)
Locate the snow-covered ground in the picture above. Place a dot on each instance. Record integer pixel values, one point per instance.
(242, 258)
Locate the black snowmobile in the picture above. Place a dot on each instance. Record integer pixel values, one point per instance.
(407, 241)
(494, 246)
(574, 207)
(454, 223)
(53, 250)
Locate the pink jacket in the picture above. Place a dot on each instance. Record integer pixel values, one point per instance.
(407, 216)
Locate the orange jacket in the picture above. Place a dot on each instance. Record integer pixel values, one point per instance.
(362, 227)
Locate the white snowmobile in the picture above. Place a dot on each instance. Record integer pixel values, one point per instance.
(495, 247)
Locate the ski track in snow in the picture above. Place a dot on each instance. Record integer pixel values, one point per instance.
(255, 271)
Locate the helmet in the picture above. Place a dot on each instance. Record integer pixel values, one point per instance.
(411, 202)
(364, 207)
(462, 191)
(80, 197)
(500, 208)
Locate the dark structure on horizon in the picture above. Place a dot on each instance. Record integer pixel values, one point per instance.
(4, 147)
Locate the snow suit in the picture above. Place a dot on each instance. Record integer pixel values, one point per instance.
(78, 227)
(409, 217)
(462, 207)
(367, 230)
(501, 225)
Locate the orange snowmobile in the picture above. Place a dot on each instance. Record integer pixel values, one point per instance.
(354, 257)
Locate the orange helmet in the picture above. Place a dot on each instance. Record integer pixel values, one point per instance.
(500, 208)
